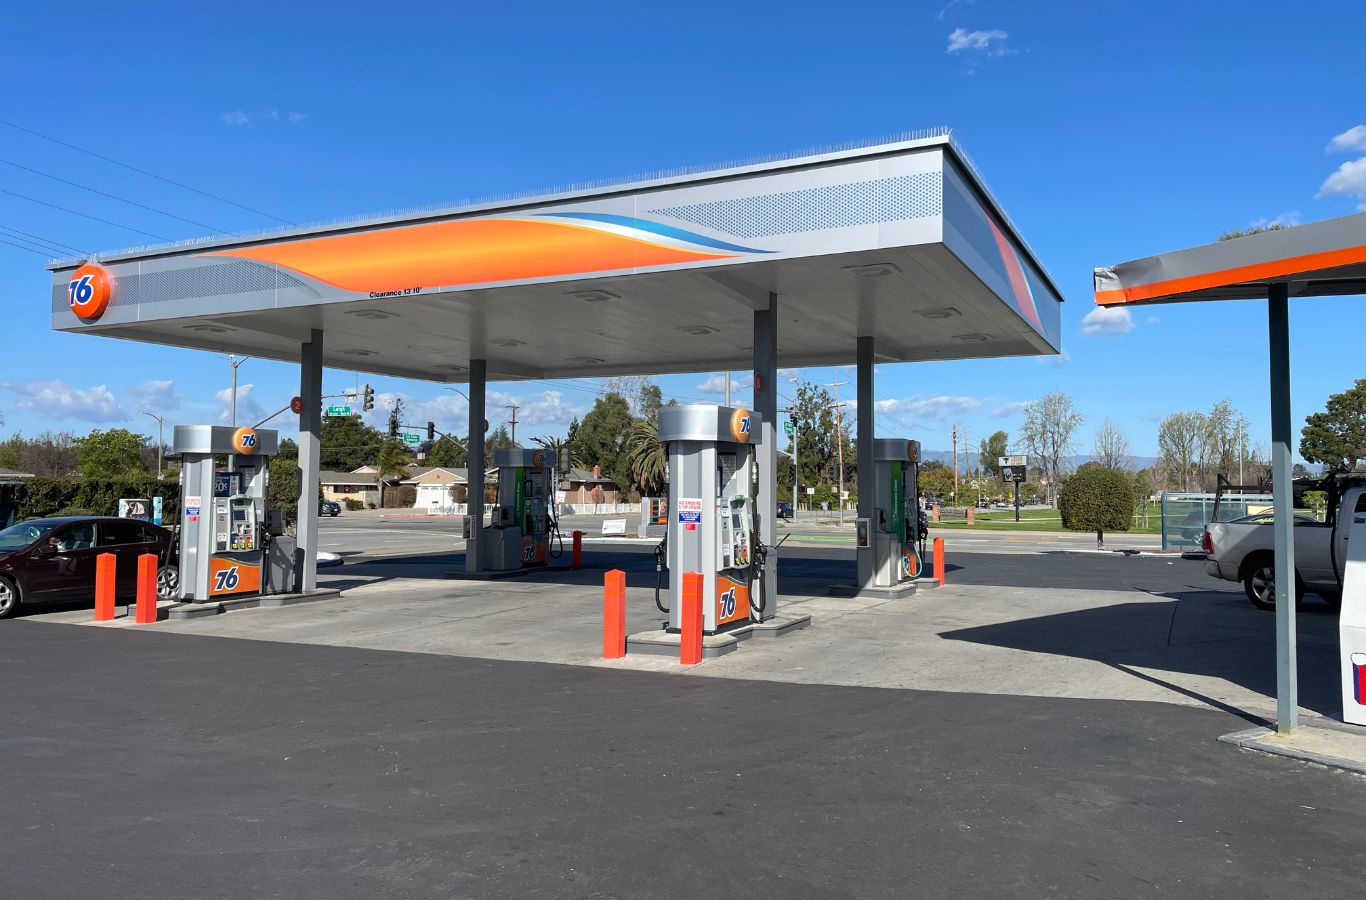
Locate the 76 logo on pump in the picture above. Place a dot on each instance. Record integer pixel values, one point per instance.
(230, 576)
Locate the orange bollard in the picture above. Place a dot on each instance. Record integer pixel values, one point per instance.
(613, 614)
(104, 586)
(147, 589)
(939, 560)
(576, 558)
(690, 625)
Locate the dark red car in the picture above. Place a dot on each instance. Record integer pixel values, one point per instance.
(52, 560)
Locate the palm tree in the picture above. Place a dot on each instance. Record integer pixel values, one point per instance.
(556, 446)
(648, 457)
(393, 456)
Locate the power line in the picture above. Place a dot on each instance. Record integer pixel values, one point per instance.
(145, 172)
(29, 249)
(38, 237)
(31, 244)
(84, 215)
(160, 212)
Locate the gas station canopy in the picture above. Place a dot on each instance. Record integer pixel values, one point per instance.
(899, 240)
(1320, 259)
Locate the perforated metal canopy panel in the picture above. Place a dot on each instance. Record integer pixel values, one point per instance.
(900, 241)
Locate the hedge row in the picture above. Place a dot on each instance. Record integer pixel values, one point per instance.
(38, 497)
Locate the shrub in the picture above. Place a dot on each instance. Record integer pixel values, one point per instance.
(1097, 499)
(38, 497)
(352, 504)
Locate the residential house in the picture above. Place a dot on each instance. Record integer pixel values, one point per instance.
(343, 486)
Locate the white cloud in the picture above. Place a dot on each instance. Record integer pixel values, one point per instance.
(1009, 409)
(1348, 181)
(59, 400)
(952, 3)
(1107, 320)
(1153, 320)
(906, 409)
(296, 118)
(1353, 138)
(249, 411)
(544, 408)
(158, 397)
(236, 117)
(716, 384)
(991, 42)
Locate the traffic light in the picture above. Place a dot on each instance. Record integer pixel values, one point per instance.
(431, 432)
(393, 424)
(369, 402)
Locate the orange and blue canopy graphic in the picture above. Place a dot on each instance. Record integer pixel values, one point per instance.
(466, 252)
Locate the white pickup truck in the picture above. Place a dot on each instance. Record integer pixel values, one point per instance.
(1243, 550)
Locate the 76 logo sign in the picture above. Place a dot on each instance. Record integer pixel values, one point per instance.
(225, 580)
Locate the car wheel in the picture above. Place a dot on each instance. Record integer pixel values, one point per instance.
(9, 597)
(168, 583)
(1259, 581)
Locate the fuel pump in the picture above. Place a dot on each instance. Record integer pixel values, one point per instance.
(524, 530)
(900, 529)
(713, 520)
(224, 541)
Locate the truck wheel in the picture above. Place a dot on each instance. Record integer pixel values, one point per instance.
(1259, 581)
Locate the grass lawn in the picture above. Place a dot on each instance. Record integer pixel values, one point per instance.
(1042, 520)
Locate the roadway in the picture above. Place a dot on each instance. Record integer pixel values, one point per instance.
(398, 532)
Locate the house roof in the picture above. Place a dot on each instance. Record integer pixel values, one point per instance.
(10, 473)
(364, 478)
(585, 475)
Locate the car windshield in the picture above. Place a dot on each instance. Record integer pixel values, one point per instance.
(17, 537)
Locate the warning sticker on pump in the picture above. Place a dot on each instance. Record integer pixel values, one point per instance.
(690, 511)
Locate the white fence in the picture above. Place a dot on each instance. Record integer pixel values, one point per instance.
(597, 509)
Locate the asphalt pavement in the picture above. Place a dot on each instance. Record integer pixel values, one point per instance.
(176, 765)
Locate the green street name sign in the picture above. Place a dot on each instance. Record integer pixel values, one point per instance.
(787, 426)
(339, 410)
(410, 437)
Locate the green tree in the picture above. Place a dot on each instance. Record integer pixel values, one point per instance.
(283, 472)
(498, 439)
(1097, 499)
(814, 419)
(936, 480)
(348, 443)
(1336, 437)
(600, 439)
(447, 451)
(116, 453)
(991, 450)
(649, 457)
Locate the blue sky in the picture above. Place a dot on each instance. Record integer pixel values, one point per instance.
(1109, 131)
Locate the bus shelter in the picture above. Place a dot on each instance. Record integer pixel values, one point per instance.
(890, 252)
(1321, 259)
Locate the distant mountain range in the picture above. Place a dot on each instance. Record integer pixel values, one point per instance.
(967, 461)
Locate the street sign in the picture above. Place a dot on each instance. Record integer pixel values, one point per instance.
(787, 427)
(1018, 460)
(1016, 474)
(810, 491)
(296, 405)
(411, 438)
(339, 410)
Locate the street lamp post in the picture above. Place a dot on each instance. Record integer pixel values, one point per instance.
(161, 438)
(234, 362)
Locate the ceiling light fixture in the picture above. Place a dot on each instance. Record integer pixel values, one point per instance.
(976, 338)
(585, 360)
(509, 343)
(696, 329)
(208, 329)
(374, 315)
(874, 270)
(594, 296)
(358, 351)
(944, 312)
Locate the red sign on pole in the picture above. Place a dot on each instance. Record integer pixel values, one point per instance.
(296, 405)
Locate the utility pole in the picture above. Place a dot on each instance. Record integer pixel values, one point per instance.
(955, 465)
(161, 439)
(839, 437)
(234, 362)
(728, 387)
(1242, 444)
(513, 421)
